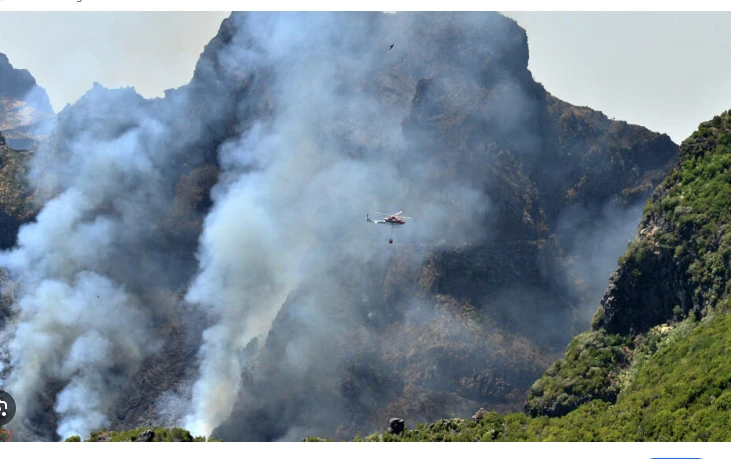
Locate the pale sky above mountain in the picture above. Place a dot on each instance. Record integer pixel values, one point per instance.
(68, 51)
(666, 71)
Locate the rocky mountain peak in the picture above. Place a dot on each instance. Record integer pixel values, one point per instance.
(20, 86)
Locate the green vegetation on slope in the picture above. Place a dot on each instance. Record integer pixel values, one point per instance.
(587, 372)
(143, 434)
(15, 199)
(654, 366)
(681, 393)
(677, 267)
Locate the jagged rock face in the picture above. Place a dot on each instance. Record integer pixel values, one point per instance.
(17, 83)
(659, 283)
(25, 110)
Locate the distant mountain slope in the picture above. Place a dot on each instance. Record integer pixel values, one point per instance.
(25, 110)
(19, 84)
(25, 114)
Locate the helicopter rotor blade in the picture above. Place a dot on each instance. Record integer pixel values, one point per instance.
(391, 215)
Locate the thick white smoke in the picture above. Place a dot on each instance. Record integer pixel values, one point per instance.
(74, 324)
(78, 324)
(303, 207)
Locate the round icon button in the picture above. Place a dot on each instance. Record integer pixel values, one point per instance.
(7, 408)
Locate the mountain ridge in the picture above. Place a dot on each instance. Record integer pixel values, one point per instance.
(467, 311)
(25, 109)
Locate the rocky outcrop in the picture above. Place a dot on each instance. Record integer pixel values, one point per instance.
(395, 426)
(146, 436)
(25, 111)
(19, 85)
(653, 278)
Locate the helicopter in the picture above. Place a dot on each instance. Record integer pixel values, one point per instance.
(394, 220)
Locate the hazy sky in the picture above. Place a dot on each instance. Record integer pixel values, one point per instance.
(666, 71)
(67, 51)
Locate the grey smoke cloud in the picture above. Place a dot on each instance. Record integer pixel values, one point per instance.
(594, 252)
(78, 319)
(84, 269)
(292, 198)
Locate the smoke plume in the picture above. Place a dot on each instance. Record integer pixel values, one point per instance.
(295, 187)
(310, 121)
